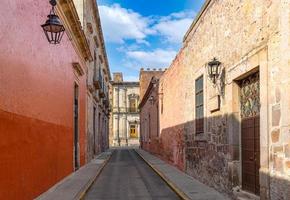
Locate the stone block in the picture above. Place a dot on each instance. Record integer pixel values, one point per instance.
(277, 149)
(278, 163)
(276, 115)
(275, 135)
(214, 104)
(287, 150)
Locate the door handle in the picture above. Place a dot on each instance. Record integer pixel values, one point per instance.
(251, 158)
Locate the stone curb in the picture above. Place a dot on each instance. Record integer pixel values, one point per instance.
(85, 191)
(177, 190)
(82, 189)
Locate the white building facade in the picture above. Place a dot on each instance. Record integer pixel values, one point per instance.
(125, 116)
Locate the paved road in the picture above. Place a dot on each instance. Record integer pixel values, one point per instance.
(128, 177)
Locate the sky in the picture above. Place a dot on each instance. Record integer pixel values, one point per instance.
(144, 33)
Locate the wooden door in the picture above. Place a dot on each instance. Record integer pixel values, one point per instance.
(251, 154)
(76, 128)
(250, 111)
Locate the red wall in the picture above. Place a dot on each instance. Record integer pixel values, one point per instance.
(36, 103)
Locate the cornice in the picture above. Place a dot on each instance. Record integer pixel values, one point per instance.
(101, 36)
(68, 14)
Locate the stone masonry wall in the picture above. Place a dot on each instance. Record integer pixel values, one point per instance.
(244, 35)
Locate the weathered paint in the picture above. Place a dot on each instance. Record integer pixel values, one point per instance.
(36, 102)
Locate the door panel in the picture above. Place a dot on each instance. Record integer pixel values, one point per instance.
(250, 130)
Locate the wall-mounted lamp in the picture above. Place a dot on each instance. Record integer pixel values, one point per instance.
(53, 27)
(214, 70)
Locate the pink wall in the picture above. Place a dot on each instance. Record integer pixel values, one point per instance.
(36, 102)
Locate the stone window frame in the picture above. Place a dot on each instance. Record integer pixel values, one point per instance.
(134, 97)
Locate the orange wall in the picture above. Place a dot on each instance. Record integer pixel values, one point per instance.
(36, 102)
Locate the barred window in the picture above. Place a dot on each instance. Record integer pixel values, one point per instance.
(199, 106)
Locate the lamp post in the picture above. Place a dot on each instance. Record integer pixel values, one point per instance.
(214, 70)
(53, 27)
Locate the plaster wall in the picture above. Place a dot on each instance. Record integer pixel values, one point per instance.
(36, 102)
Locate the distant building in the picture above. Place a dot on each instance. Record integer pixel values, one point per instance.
(145, 77)
(124, 129)
(149, 109)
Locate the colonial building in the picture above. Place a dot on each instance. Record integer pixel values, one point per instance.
(149, 109)
(125, 115)
(44, 94)
(98, 79)
(228, 127)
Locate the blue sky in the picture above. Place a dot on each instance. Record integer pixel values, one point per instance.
(144, 33)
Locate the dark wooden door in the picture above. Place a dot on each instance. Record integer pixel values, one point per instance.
(250, 114)
(251, 154)
(76, 128)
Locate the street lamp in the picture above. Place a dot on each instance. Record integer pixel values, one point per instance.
(53, 27)
(214, 68)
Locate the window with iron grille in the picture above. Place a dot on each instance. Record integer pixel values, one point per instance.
(199, 106)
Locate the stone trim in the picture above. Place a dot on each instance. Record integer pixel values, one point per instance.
(78, 69)
(68, 13)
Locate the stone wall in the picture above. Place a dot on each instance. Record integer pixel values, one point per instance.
(145, 78)
(245, 36)
(96, 141)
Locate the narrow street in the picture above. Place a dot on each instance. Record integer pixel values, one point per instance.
(126, 177)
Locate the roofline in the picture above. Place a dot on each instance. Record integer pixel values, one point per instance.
(197, 18)
(98, 18)
(148, 92)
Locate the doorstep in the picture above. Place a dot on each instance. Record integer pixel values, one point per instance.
(184, 185)
(74, 186)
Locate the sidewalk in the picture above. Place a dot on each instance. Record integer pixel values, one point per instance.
(74, 186)
(184, 185)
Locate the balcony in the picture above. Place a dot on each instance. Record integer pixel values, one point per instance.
(104, 91)
(96, 96)
(97, 80)
(106, 102)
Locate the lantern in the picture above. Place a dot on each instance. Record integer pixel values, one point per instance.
(53, 27)
(214, 69)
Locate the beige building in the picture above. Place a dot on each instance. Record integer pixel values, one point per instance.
(125, 116)
(98, 78)
(231, 131)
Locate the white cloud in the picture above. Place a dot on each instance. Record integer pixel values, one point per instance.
(131, 78)
(155, 58)
(174, 26)
(120, 24)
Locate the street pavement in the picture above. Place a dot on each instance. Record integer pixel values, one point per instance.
(128, 177)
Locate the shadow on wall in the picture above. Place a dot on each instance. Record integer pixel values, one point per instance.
(212, 157)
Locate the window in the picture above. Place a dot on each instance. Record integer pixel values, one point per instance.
(133, 105)
(133, 131)
(199, 115)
